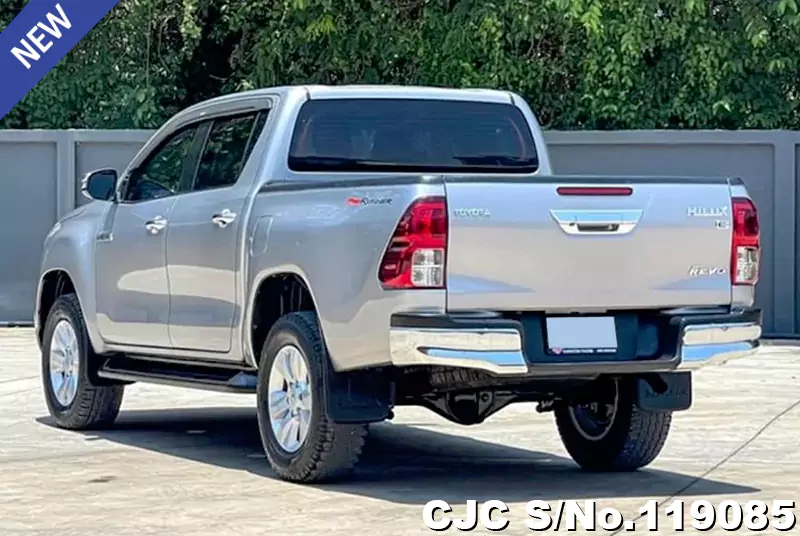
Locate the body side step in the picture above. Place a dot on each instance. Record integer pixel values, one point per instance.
(179, 374)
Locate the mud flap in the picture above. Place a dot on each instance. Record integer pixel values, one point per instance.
(358, 397)
(676, 397)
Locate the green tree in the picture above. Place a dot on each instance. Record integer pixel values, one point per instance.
(582, 64)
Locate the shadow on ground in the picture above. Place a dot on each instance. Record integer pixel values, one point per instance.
(401, 463)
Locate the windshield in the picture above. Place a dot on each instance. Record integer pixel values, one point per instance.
(411, 135)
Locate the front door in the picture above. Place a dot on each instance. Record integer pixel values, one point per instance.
(204, 238)
(131, 275)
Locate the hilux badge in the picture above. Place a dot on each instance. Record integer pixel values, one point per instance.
(707, 212)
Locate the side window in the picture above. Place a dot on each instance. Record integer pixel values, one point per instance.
(227, 149)
(260, 121)
(160, 175)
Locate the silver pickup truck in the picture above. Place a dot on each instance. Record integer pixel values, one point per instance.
(339, 251)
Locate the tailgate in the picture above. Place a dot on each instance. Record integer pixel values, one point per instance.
(554, 244)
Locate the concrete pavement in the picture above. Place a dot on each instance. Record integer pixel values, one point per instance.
(184, 462)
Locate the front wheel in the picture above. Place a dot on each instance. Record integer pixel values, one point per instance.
(612, 434)
(301, 443)
(76, 398)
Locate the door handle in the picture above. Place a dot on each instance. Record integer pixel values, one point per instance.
(224, 218)
(156, 225)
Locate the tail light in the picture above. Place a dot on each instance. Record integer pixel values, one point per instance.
(746, 244)
(415, 256)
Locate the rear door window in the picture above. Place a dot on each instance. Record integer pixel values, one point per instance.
(227, 148)
(411, 135)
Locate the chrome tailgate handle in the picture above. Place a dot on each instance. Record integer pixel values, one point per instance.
(597, 222)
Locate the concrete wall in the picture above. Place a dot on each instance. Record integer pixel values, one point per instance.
(40, 172)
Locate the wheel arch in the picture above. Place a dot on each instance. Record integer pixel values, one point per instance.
(57, 282)
(273, 295)
(52, 284)
(68, 265)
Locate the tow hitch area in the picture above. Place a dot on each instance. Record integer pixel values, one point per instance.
(665, 392)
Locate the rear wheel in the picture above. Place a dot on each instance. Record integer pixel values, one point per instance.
(302, 444)
(76, 398)
(612, 433)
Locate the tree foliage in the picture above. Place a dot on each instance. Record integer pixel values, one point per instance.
(582, 64)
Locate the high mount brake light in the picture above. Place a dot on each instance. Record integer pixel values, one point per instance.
(415, 256)
(746, 243)
(594, 190)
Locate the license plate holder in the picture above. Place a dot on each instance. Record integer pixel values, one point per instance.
(585, 335)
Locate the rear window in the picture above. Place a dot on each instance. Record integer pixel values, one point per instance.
(411, 135)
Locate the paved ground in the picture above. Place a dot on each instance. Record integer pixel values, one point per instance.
(186, 462)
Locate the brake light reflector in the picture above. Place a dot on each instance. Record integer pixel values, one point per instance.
(415, 256)
(746, 243)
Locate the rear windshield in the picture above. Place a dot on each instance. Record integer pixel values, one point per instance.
(411, 135)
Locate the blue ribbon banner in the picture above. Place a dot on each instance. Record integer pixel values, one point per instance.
(38, 38)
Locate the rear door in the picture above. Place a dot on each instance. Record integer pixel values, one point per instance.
(587, 244)
(204, 240)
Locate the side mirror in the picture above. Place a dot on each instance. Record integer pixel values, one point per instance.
(99, 184)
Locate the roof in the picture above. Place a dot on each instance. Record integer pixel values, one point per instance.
(407, 92)
(371, 91)
(342, 92)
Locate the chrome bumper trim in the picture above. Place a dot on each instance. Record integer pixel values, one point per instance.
(701, 334)
(499, 350)
(706, 344)
(495, 350)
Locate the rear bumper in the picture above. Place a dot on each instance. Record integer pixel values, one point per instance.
(498, 346)
(705, 344)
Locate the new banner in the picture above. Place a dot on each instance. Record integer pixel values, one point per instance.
(38, 38)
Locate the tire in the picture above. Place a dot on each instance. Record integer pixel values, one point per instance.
(628, 441)
(327, 451)
(95, 404)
